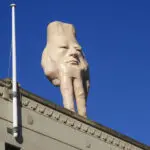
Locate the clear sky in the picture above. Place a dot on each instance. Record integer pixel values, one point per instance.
(115, 36)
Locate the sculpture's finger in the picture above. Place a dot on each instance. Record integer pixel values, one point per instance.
(80, 96)
(56, 82)
(86, 84)
(83, 62)
(50, 69)
(86, 81)
(67, 92)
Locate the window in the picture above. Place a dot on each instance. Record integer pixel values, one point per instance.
(11, 147)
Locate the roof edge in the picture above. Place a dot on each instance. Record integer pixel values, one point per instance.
(7, 83)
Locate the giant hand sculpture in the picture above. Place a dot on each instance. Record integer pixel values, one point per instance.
(65, 65)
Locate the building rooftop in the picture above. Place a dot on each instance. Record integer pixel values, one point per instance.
(91, 126)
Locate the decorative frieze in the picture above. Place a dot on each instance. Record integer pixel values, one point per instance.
(70, 122)
(48, 112)
(84, 127)
(104, 136)
(28, 103)
(4, 93)
(128, 147)
(63, 118)
(77, 125)
(56, 115)
(32, 105)
(1, 91)
(122, 145)
(98, 133)
(91, 131)
(73, 123)
(25, 101)
(41, 109)
(116, 142)
(110, 139)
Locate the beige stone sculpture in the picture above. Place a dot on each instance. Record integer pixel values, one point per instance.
(65, 65)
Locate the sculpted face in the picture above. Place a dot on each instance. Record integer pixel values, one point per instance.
(65, 49)
(64, 65)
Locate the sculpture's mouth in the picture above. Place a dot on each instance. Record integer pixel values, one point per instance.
(73, 61)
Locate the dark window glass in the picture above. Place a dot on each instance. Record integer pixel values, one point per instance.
(11, 147)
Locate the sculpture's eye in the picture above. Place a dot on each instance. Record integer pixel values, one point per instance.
(78, 49)
(64, 47)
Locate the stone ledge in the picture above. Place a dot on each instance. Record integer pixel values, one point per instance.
(85, 128)
(81, 119)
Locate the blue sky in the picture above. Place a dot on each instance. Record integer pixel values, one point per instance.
(115, 36)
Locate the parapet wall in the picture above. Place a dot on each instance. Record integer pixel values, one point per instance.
(44, 125)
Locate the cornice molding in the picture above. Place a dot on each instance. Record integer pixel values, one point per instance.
(47, 109)
(77, 125)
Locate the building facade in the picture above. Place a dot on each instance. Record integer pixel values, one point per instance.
(46, 126)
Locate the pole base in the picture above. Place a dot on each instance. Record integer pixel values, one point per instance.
(13, 131)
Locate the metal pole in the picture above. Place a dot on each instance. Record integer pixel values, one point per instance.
(14, 75)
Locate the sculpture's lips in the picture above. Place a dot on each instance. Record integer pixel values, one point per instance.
(75, 62)
(72, 60)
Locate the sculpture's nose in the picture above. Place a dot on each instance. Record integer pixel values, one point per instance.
(73, 53)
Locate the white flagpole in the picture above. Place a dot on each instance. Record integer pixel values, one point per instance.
(14, 75)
